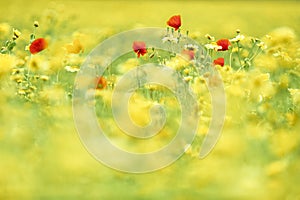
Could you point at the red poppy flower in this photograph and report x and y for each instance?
(139, 48)
(101, 83)
(38, 45)
(175, 22)
(224, 43)
(189, 54)
(219, 61)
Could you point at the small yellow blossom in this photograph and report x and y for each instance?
(284, 81)
(75, 47)
(44, 77)
(38, 63)
(177, 63)
(260, 79)
(17, 78)
(235, 49)
(186, 71)
(291, 118)
(295, 93)
(21, 92)
(283, 35)
(36, 24)
(209, 37)
(17, 33)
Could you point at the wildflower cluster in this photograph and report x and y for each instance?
(39, 60)
(239, 51)
(262, 72)
(37, 65)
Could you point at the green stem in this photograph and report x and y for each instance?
(238, 53)
(258, 51)
(230, 58)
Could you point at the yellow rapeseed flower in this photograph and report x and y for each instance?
(39, 63)
(282, 35)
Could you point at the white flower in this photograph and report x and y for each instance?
(262, 45)
(170, 38)
(72, 68)
(187, 78)
(191, 47)
(237, 38)
(213, 46)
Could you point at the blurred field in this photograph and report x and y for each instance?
(41, 156)
(220, 18)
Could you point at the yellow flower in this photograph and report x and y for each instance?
(260, 79)
(291, 118)
(235, 49)
(186, 71)
(17, 33)
(139, 108)
(17, 77)
(295, 93)
(282, 35)
(74, 47)
(209, 37)
(266, 62)
(44, 77)
(261, 86)
(7, 62)
(38, 63)
(36, 24)
(284, 81)
(235, 90)
(275, 167)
